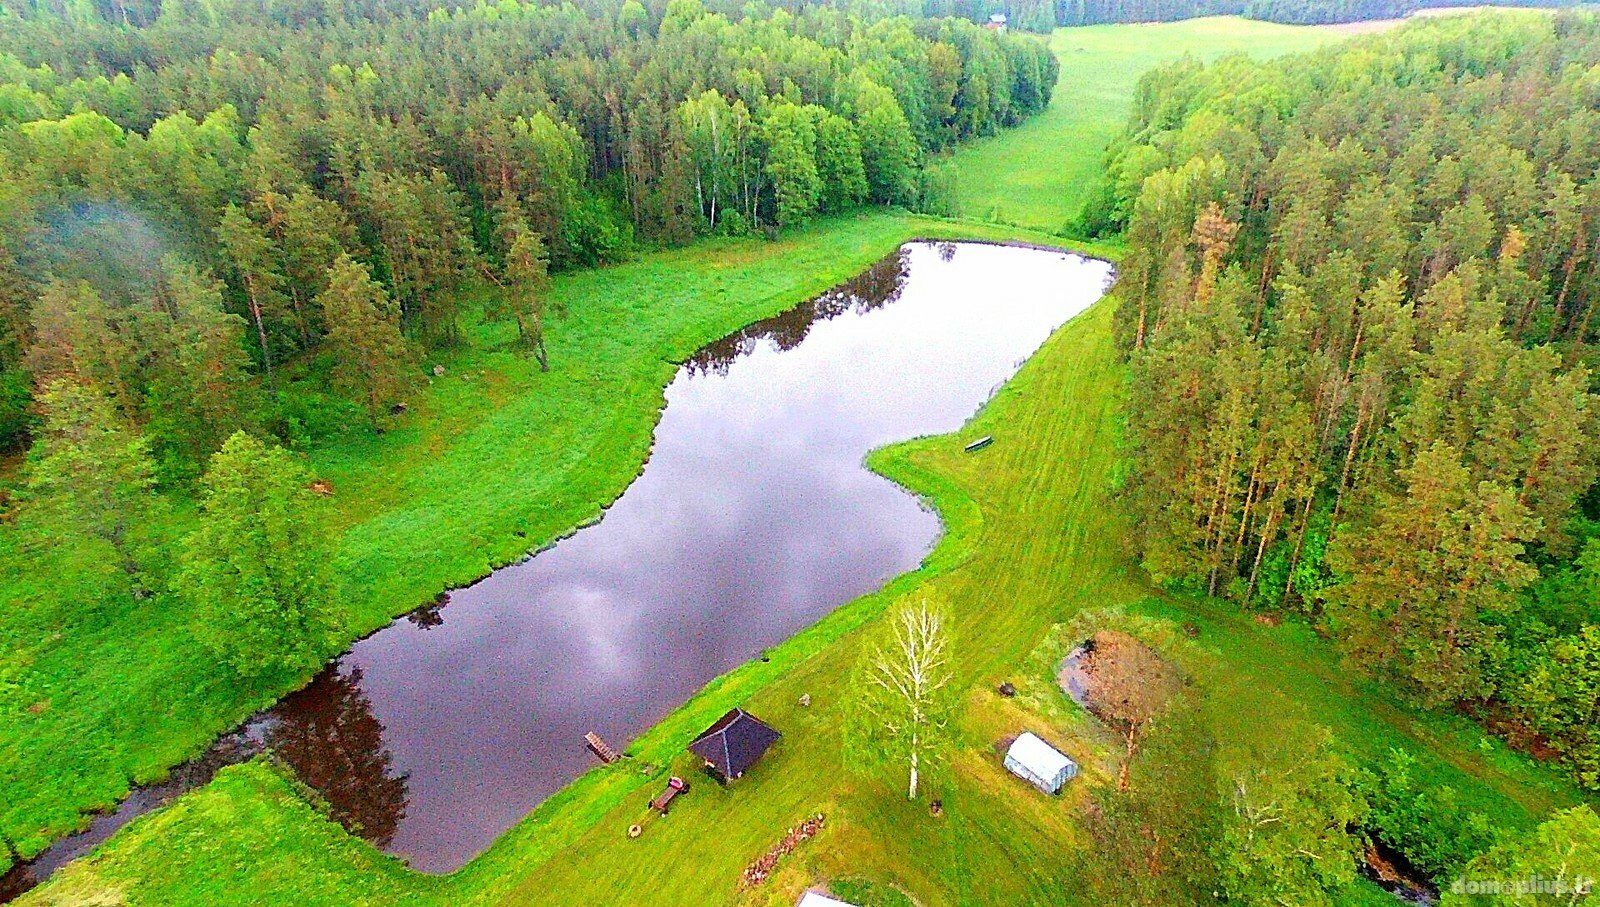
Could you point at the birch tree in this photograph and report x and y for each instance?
(1554, 864)
(905, 695)
(1286, 838)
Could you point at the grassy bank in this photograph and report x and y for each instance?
(495, 458)
(1034, 539)
(1039, 174)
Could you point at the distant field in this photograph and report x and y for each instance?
(1039, 174)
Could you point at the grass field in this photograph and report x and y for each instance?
(1034, 538)
(109, 689)
(1039, 174)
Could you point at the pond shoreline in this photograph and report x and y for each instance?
(103, 824)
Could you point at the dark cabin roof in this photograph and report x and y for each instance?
(734, 743)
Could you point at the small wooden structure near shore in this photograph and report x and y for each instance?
(601, 748)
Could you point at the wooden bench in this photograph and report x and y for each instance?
(663, 800)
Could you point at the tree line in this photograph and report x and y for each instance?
(1041, 16)
(1358, 306)
(242, 163)
(1283, 817)
(1288, 12)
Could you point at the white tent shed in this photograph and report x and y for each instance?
(812, 899)
(1039, 763)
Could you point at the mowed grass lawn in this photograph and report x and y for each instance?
(1039, 174)
(1034, 538)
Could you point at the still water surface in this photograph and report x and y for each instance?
(753, 518)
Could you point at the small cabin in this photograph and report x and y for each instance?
(733, 744)
(1040, 764)
(997, 22)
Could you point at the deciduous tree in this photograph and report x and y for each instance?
(90, 471)
(255, 571)
(905, 694)
(1289, 837)
(1556, 863)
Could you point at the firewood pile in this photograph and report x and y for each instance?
(757, 872)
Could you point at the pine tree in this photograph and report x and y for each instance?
(202, 385)
(371, 358)
(257, 273)
(311, 233)
(527, 273)
(1422, 577)
(77, 335)
(428, 249)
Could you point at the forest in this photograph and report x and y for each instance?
(256, 216)
(1358, 307)
(1043, 15)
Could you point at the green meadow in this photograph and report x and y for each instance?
(1034, 541)
(1039, 174)
(433, 504)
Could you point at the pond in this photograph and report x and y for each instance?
(753, 518)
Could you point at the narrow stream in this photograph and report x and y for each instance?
(753, 518)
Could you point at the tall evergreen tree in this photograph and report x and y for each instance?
(527, 285)
(202, 388)
(372, 360)
(256, 270)
(1435, 562)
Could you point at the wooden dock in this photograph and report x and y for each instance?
(601, 748)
